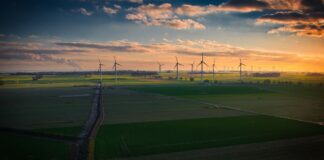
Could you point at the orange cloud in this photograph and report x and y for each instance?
(162, 15)
(85, 54)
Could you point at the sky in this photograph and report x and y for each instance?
(71, 35)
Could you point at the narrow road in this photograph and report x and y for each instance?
(84, 148)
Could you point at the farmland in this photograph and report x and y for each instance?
(15, 146)
(299, 102)
(146, 115)
(136, 139)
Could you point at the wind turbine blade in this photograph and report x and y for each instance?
(205, 63)
(118, 64)
(177, 59)
(180, 64)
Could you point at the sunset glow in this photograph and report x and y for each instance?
(71, 35)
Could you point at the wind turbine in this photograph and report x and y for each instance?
(115, 67)
(177, 66)
(214, 71)
(192, 68)
(160, 66)
(202, 63)
(240, 65)
(100, 71)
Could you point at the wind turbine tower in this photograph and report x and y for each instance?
(115, 67)
(240, 65)
(192, 67)
(100, 71)
(177, 67)
(202, 63)
(160, 66)
(214, 71)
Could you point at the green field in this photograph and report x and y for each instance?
(136, 139)
(144, 115)
(186, 90)
(44, 107)
(14, 146)
(125, 106)
(299, 102)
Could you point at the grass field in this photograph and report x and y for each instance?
(147, 116)
(136, 139)
(300, 102)
(233, 77)
(125, 106)
(44, 107)
(14, 146)
(49, 81)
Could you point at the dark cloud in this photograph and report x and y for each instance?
(39, 51)
(38, 57)
(313, 5)
(94, 46)
(246, 3)
(28, 51)
(286, 17)
(308, 20)
(117, 46)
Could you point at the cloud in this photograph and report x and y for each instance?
(38, 57)
(312, 30)
(161, 15)
(242, 6)
(191, 10)
(289, 13)
(284, 4)
(114, 46)
(301, 23)
(27, 51)
(83, 11)
(136, 1)
(230, 6)
(301, 17)
(184, 24)
(187, 48)
(73, 53)
(289, 17)
(166, 15)
(110, 10)
(117, 6)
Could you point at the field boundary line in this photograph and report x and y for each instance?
(42, 135)
(235, 108)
